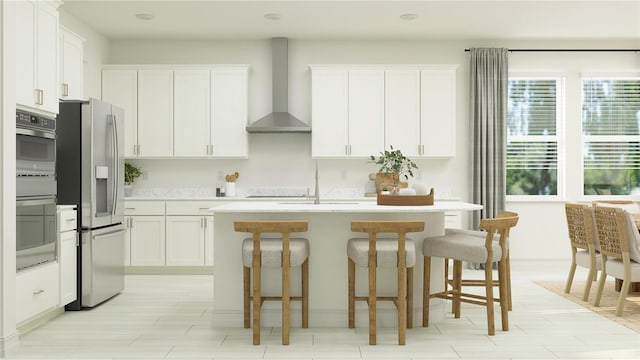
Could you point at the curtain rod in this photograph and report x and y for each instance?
(569, 50)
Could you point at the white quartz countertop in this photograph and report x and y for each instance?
(342, 206)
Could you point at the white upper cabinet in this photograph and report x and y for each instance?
(37, 54)
(360, 110)
(438, 113)
(366, 112)
(181, 111)
(229, 97)
(155, 113)
(70, 65)
(191, 105)
(120, 88)
(330, 113)
(402, 111)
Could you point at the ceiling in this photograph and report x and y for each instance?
(302, 19)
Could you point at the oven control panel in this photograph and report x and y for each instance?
(30, 120)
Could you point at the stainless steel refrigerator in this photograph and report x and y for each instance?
(90, 174)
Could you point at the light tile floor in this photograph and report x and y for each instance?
(168, 317)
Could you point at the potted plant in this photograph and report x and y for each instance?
(131, 172)
(392, 163)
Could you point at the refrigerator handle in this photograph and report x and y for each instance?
(115, 164)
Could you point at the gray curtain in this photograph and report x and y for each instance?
(489, 84)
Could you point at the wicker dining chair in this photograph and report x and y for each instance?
(619, 241)
(582, 235)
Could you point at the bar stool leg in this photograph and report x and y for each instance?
(372, 300)
(488, 279)
(504, 297)
(410, 298)
(508, 280)
(256, 302)
(285, 303)
(457, 285)
(426, 284)
(402, 305)
(246, 280)
(305, 294)
(352, 293)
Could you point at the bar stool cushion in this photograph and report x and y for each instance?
(387, 249)
(271, 251)
(460, 246)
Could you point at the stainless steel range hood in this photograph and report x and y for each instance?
(279, 121)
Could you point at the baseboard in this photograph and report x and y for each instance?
(168, 270)
(386, 317)
(39, 320)
(9, 345)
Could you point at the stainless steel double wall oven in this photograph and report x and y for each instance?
(35, 189)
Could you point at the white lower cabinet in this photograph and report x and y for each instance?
(189, 233)
(185, 240)
(67, 254)
(36, 291)
(147, 236)
(171, 233)
(145, 233)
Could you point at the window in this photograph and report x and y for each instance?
(610, 142)
(533, 119)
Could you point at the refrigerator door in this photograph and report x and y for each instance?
(101, 171)
(118, 118)
(102, 264)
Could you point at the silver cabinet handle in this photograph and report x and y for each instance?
(65, 89)
(205, 222)
(349, 149)
(201, 222)
(38, 292)
(41, 97)
(346, 150)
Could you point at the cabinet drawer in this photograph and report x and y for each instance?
(67, 220)
(191, 207)
(36, 291)
(144, 207)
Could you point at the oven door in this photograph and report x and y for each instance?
(35, 232)
(35, 152)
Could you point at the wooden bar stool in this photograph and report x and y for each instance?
(284, 252)
(397, 253)
(470, 247)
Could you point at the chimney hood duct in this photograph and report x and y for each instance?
(279, 121)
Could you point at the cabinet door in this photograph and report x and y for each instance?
(71, 68)
(438, 113)
(68, 272)
(120, 88)
(366, 112)
(208, 240)
(229, 113)
(147, 240)
(47, 56)
(402, 111)
(185, 240)
(155, 113)
(25, 52)
(191, 113)
(329, 113)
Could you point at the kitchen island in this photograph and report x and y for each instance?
(329, 230)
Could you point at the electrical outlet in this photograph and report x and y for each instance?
(343, 174)
(145, 175)
(418, 175)
(220, 175)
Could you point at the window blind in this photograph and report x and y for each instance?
(611, 107)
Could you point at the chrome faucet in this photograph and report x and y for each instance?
(317, 195)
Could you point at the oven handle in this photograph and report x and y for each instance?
(38, 133)
(36, 201)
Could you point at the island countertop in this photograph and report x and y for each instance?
(338, 207)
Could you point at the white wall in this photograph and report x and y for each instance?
(95, 53)
(285, 159)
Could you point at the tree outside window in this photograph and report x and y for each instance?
(610, 129)
(532, 136)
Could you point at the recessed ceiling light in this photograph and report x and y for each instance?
(273, 17)
(408, 17)
(143, 16)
